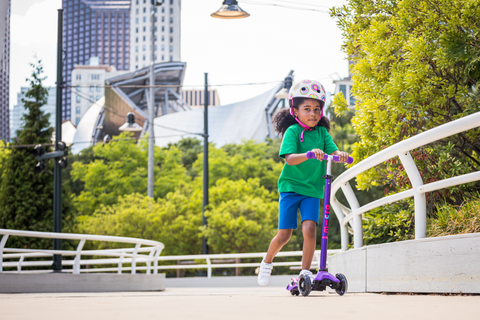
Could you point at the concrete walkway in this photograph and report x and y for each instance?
(234, 303)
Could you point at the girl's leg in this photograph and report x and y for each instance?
(277, 243)
(309, 229)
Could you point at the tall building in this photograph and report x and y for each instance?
(88, 83)
(4, 69)
(96, 28)
(19, 109)
(167, 33)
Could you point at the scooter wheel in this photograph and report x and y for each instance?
(294, 292)
(343, 284)
(304, 285)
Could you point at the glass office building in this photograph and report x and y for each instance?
(94, 28)
(4, 70)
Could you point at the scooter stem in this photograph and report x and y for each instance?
(326, 214)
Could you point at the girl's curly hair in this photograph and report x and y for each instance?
(284, 119)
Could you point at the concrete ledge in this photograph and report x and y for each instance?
(63, 282)
(352, 264)
(433, 265)
(232, 282)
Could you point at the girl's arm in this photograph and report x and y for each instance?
(295, 158)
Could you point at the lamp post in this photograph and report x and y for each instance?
(205, 162)
(57, 169)
(151, 103)
(230, 10)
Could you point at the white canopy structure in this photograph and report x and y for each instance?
(89, 126)
(245, 120)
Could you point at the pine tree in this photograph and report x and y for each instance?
(26, 197)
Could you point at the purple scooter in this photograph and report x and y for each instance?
(304, 285)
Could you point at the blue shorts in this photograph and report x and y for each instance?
(290, 202)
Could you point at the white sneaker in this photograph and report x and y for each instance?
(307, 272)
(264, 274)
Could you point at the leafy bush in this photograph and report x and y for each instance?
(389, 224)
(452, 220)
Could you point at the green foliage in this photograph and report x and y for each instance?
(242, 212)
(244, 161)
(416, 67)
(174, 221)
(119, 168)
(189, 148)
(4, 154)
(242, 217)
(26, 198)
(452, 220)
(388, 224)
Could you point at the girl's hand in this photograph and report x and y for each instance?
(319, 154)
(343, 156)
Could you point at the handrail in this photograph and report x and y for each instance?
(418, 190)
(153, 248)
(140, 258)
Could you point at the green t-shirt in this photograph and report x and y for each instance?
(305, 178)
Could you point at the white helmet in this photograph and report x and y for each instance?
(307, 89)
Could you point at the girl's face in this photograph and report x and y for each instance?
(308, 112)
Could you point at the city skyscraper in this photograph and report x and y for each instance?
(167, 33)
(4, 70)
(94, 28)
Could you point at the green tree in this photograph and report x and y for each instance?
(242, 217)
(189, 148)
(416, 67)
(119, 168)
(175, 221)
(26, 197)
(244, 161)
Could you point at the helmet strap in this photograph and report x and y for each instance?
(304, 126)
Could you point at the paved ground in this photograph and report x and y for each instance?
(234, 303)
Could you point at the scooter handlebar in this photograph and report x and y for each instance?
(311, 155)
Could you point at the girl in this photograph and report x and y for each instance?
(301, 182)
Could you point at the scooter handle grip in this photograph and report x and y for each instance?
(311, 155)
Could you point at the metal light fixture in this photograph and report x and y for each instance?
(130, 125)
(230, 10)
(283, 93)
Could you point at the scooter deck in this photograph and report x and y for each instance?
(321, 280)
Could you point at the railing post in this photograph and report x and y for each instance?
(3, 242)
(120, 264)
(419, 198)
(150, 255)
(78, 255)
(238, 272)
(134, 258)
(155, 262)
(19, 266)
(209, 268)
(357, 218)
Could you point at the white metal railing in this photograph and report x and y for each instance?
(132, 256)
(402, 149)
(118, 257)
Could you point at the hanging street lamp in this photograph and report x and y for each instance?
(230, 10)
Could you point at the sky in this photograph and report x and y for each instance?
(261, 48)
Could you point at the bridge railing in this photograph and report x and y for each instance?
(132, 256)
(353, 215)
(139, 258)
